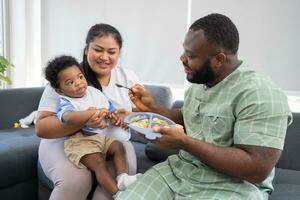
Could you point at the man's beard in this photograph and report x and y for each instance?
(203, 75)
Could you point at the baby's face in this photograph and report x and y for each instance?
(72, 82)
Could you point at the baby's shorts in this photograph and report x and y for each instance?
(80, 144)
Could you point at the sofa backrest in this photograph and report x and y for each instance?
(17, 103)
(290, 158)
(20, 102)
(162, 94)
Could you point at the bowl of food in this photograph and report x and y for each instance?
(143, 122)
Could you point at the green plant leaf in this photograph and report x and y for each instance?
(4, 65)
(5, 79)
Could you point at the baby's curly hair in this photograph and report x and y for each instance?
(219, 30)
(56, 65)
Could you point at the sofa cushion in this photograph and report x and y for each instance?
(287, 176)
(143, 163)
(286, 185)
(290, 158)
(285, 192)
(18, 155)
(18, 103)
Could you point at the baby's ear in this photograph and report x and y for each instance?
(59, 91)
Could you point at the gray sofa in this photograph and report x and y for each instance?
(22, 178)
(18, 147)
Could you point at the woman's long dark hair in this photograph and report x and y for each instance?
(98, 30)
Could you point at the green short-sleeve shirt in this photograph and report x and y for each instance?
(244, 108)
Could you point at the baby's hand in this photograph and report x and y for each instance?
(117, 117)
(98, 119)
(103, 112)
(104, 115)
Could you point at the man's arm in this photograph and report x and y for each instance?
(250, 163)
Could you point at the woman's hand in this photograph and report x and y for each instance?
(97, 120)
(171, 137)
(141, 98)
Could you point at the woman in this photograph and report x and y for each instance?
(100, 58)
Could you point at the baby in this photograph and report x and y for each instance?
(90, 146)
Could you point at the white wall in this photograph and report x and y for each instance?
(154, 30)
(269, 34)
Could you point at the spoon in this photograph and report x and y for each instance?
(122, 86)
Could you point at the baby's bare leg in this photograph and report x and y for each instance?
(117, 152)
(97, 164)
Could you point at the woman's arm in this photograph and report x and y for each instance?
(49, 126)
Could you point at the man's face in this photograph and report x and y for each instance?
(196, 59)
(202, 74)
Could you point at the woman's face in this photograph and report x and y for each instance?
(103, 54)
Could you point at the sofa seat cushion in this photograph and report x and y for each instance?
(285, 192)
(18, 155)
(287, 176)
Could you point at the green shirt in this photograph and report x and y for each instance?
(244, 108)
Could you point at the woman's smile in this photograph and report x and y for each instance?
(103, 64)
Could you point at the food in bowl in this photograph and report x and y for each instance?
(143, 122)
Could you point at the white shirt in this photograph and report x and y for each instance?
(92, 98)
(119, 96)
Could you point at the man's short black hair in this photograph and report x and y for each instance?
(56, 65)
(219, 30)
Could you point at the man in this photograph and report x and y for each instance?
(234, 121)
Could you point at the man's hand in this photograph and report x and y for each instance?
(141, 98)
(172, 137)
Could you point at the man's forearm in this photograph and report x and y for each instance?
(233, 161)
